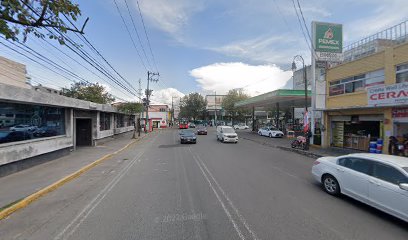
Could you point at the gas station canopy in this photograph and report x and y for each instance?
(286, 98)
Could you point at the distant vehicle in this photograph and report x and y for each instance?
(270, 132)
(378, 180)
(23, 127)
(226, 134)
(191, 125)
(183, 124)
(45, 131)
(240, 127)
(13, 136)
(202, 131)
(187, 136)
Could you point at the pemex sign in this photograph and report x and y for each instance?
(328, 41)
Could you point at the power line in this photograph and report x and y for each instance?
(147, 37)
(36, 61)
(87, 57)
(130, 35)
(137, 33)
(301, 26)
(304, 22)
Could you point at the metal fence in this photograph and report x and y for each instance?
(389, 37)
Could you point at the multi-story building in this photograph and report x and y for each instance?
(13, 73)
(158, 116)
(367, 98)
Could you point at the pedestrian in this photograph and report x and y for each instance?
(393, 145)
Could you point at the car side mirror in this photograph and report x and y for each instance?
(404, 186)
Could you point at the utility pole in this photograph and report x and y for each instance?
(150, 78)
(141, 112)
(172, 109)
(215, 108)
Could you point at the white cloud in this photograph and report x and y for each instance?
(170, 16)
(271, 49)
(222, 77)
(163, 96)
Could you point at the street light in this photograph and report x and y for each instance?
(300, 58)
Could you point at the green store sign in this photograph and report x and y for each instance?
(328, 37)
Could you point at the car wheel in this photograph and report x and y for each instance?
(259, 133)
(331, 185)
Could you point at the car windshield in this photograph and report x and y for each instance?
(406, 169)
(228, 130)
(188, 134)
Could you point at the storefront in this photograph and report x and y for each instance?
(400, 122)
(356, 131)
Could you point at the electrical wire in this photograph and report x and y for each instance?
(147, 37)
(130, 35)
(137, 33)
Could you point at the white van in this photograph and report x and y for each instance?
(226, 134)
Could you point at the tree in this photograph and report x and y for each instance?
(93, 92)
(192, 106)
(228, 103)
(29, 16)
(131, 108)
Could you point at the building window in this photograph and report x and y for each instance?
(20, 122)
(402, 73)
(357, 83)
(104, 121)
(120, 120)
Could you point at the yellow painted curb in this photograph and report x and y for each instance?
(26, 201)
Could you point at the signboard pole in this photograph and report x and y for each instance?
(313, 104)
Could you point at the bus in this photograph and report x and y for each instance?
(183, 124)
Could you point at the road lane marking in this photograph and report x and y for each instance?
(241, 236)
(78, 220)
(231, 204)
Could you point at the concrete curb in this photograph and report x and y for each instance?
(289, 149)
(33, 197)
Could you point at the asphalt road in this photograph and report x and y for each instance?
(160, 189)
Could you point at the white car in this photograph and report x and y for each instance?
(226, 134)
(378, 180)
(23, 128)
(240, 127)
(270, 132)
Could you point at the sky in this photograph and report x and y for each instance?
(206, 46)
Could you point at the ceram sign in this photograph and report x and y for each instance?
(328, 37)
(391, 95)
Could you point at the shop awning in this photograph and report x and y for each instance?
(285, 97)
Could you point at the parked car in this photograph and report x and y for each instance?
(226, 134)
(191, 125)
(378, 180)
(240, 127)
(202, 130)
(22, 128)
(45, 131)
(188, 137)
(270, 132)
(13, 136)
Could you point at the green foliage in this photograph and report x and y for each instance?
(22, 17)
(130, 107)
(192, 106)
(234, 96)
(93, 92)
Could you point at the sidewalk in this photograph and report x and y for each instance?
(21, 184)
(284, 144)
